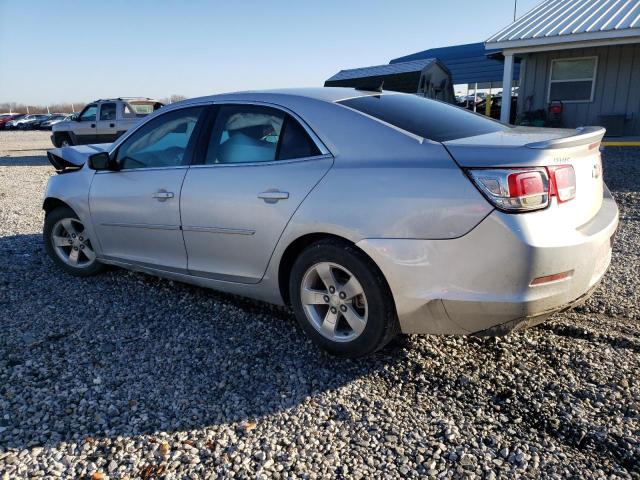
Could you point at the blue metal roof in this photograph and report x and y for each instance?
(379, 70)
(467, 63)
(570, 20)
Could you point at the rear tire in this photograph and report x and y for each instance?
(341, 299)
(68, 244)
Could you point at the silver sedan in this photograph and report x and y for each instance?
(370, 213)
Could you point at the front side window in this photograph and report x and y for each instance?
(426, 118)
(572, 79)
(108, 111)
(89, 114)
(250, 134)
(162, 142)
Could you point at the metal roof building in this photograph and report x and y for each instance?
(382, 70)
(469, 64)
(427, 77)
(583, 53)
(565, 21)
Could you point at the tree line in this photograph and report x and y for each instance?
(65, 107)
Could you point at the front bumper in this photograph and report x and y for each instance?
(480, 283)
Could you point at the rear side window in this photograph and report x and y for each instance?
(295, 142)
(108, 111)
(429, 119)
(252, 133)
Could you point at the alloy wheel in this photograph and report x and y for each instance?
(72, 244)
(334, 302)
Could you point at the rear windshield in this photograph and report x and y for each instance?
(429, 119)
(142, 107)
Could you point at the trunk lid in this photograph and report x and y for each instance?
(543, 147)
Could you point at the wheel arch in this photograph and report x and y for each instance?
(51, 203)
(299, 244)
(58, 135)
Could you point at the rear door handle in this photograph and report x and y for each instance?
(112, 125)
(163, 195)
(273, 196)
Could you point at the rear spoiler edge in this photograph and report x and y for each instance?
(583, 136)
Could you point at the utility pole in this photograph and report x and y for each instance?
(515, 9)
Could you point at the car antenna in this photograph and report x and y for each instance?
(371, 88)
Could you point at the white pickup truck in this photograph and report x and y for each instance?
(103, 121)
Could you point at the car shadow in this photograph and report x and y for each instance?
(126, 354)
(25, 161)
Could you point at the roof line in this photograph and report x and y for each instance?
(589, 17)
(577, 18)
(627, 15)
(559, 21)
(552, 19)
(602, 16)
(528, 14)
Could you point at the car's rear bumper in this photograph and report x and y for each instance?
(481, 282)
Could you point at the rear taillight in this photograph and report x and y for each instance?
(525, 189)
(517, 190)
(563, 182)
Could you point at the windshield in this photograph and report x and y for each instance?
(430, 119)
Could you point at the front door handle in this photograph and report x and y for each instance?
(112, 125)
(273, 196)
(162, 195)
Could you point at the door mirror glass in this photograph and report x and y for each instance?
(100, 161)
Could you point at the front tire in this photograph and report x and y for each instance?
(68, 244)
(341, 299)
(62, 140)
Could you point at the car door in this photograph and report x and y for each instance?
(106, 125)
(84, 129)
(135, 209)
(259, 164)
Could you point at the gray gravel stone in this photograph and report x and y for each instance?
(128, 376)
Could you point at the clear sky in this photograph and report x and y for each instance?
(63, 50)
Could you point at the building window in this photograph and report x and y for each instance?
(572, 79)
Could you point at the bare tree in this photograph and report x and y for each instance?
(64, 107)
(173, 99)
(15, 107)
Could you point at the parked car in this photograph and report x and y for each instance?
(34, 123)
(17, 122)
(26, 122)
(370, 213)
(103, 121)
(496, 106)
(6, 118)
(54, 119)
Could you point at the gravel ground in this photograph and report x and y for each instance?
(128, 376)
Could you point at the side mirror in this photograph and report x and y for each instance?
(100, 161)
